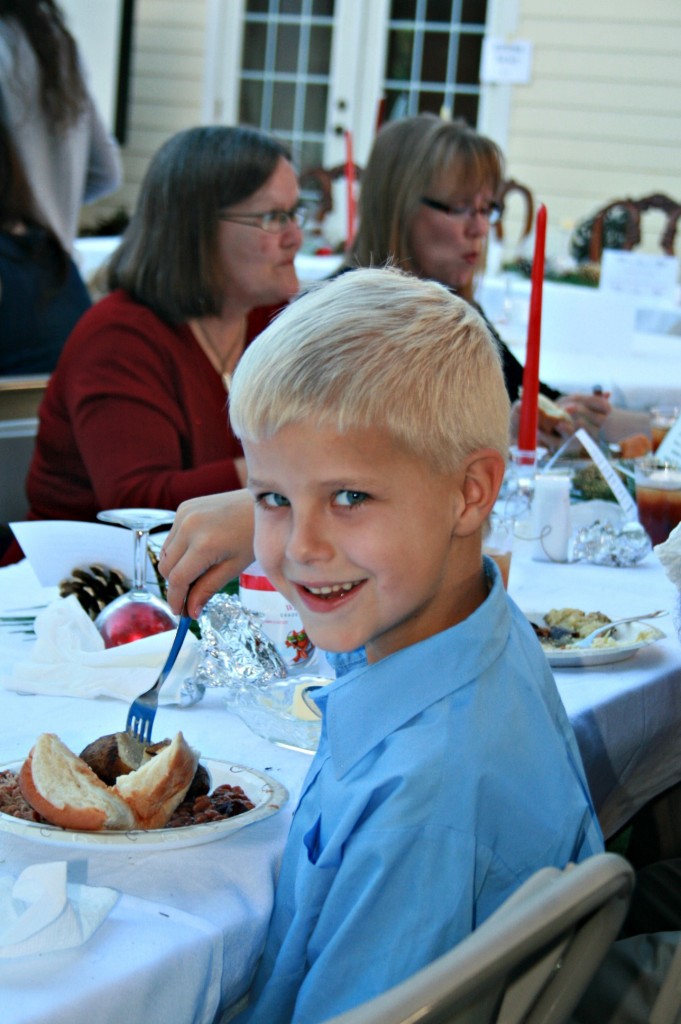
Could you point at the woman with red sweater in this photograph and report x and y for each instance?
(135, 413)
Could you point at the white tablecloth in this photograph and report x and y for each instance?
(628, 344)
(92, 253)
(185, 937)
(626, 715)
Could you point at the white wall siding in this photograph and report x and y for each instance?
(601, 119)
(166, 89)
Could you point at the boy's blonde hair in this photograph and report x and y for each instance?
(378, 348)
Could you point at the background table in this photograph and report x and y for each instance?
(92, 253)
(628, 344)
(626, 715)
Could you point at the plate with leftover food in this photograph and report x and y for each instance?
(238, 797)
(559, 629)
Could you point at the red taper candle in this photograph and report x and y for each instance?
(527, 429)
(350, 182)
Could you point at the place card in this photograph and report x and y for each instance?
(639, 273)
(669, 448)
(624, 499)
(55, 547)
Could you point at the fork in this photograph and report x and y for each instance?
(586, 642)
(143, 709)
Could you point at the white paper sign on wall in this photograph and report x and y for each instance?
(506, 63)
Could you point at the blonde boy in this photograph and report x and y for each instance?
(374, 419)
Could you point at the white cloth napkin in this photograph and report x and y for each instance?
(69, 659)
(40, 912)
(669, 554)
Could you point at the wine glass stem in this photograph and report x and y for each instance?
(140, 560)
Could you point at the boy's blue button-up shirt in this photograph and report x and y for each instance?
(446, 774)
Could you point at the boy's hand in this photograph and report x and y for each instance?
(210, 543)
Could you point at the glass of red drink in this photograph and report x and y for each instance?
(658, 497)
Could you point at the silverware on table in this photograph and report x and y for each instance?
(142, 711)
(588, 640)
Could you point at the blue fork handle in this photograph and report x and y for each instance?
(185, 621)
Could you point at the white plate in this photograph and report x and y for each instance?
(591, 657)
(268, 795)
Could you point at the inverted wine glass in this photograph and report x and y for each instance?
(138, 613)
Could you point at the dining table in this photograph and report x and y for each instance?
(629, 344)
(183, 939)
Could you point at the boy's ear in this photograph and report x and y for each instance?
(483, 474)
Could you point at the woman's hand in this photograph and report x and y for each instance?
(210, 543)
(558, 421)
(588, 411)
(552, 431)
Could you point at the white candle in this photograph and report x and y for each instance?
(551, 527)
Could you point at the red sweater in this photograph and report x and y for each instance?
(134, 416)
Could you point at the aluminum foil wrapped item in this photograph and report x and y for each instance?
(605, 543)
(235, 652)
(237, 656)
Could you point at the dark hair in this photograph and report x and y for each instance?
(167, 258)
(62, 90)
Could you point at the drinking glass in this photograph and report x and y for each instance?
(658, 494)
(498, 543)
(138, 613)
(662, 418)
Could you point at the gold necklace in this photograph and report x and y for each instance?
(222, 361)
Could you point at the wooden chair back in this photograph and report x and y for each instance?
(317, 185)
(632, 232)
(508, 187)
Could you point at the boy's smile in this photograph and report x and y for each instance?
(363, 537)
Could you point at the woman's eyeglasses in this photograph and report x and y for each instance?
(274, 222)
(490, 211)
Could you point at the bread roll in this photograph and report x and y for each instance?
(551, 410)
(159, 786)
(66, 792)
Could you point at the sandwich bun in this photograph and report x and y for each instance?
(160, 785)
(551, 410)
(66, 792)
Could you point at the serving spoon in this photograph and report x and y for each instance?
(588, 640)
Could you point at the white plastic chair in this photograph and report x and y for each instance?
(529, 962)
(667, 1006)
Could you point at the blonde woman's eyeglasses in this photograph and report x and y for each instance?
(490, 211)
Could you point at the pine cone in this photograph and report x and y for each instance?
(95, 586)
